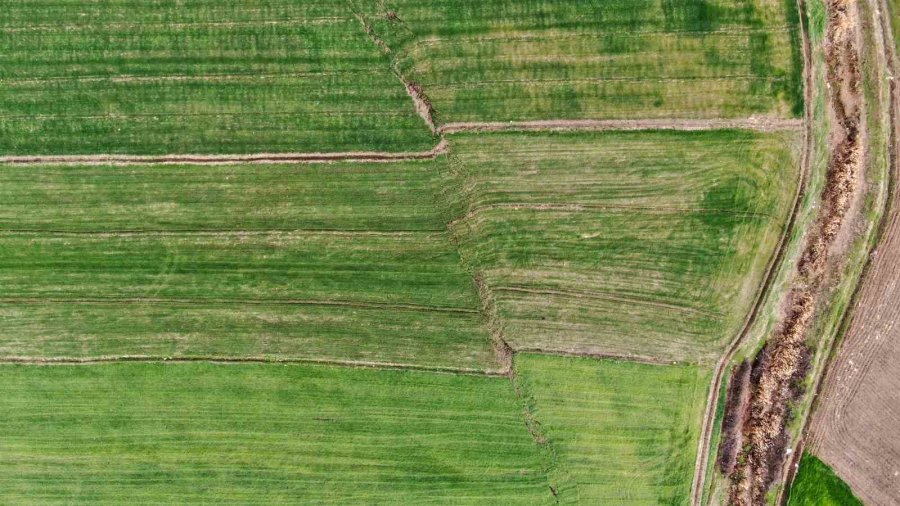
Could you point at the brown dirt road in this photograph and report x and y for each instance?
(856, 425)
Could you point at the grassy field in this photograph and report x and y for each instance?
(646, 243)
(817, 485)
(622, 432)
(262, 434)
(534, 59)
(337, 261)
(166, 76)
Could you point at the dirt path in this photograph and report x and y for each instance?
(704, 450)
(187, 159)
(762, 124)
(854, 426)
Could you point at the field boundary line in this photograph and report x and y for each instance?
(198, 159)
(214, 301)
(109, 359)
(220, 232)
(698, 484)
(753, 123)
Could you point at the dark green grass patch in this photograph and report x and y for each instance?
(817, 485)
(499, 60)
(197, 77)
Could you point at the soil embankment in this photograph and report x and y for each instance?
(778, 371)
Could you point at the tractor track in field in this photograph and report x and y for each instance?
(192, 159)
(593, 295)
(212, 359)
(219, 301)
(223, 232)
(703, 451)
(761, 124)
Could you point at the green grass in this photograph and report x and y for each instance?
(817, 485)
(341, 261)
(262, 434)
(647, 243)
(165, 76)
(623, 432)
(536, 59)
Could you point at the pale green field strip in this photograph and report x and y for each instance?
(504, 60)
(647, 243)
(339, 196)
(344, 261)
(207, 76)
(622, 432)
(262, 434)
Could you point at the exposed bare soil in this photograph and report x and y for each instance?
(763, 124)
(783, 363)
(856, 425)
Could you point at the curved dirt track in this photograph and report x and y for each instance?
(856, 425)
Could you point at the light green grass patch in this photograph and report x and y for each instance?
(166, 76)
(643, 243)
(339, 261)
(817, 485)
(498, 60)
(252, 434)
(622, 432)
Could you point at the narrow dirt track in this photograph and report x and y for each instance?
(188, 159)
(856, 425)
(704, 450)
(761, 124)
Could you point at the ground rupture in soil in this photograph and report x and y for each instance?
(778, 372)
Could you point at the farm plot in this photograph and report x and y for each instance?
(642, 243)
(620, 432)
(262, 434)
(206, 76)
(342, 261)
(503, 60)
(817, 485)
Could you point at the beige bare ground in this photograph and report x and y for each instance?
(188, 159)
(856, 426)
(763, 124)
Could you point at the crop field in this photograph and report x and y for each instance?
(817, 485)
(500, 60)
(632, 243)
(339, 261)
(166, 76)
(262, 434)
(621, 432)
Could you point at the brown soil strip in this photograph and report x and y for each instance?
(704, 450)
(106, 359)
(757, 123)
(187, 159)
(736, 405)
(784, 361)
(214, 301)
(220, 232)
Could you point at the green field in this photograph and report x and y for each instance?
(262, 434)
(622, 432)
(343, 261)
(640, 243)
(498, 60)
(206, 76)
(817, 485)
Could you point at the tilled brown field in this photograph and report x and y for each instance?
(856, 426)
